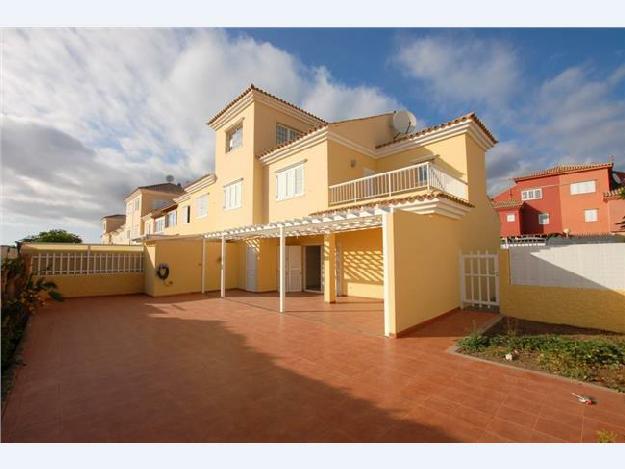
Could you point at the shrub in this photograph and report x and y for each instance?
(22, 293)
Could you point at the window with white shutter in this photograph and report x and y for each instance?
(232, 195)
(290, 182)
(201, 206)
(585, 187)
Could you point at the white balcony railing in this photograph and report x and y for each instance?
(419, 176)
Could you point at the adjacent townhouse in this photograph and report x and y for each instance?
(572, 199)
(352, 208)
(140, 202)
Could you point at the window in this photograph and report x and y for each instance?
(201, 209)
(148, 227)
(543, 218)
(136, 201)
(234, 137)
(591, 214)
(532, 194)
(290, 182)
(232, 195)
(171, 218)
(159, 225)
(285, 134)
(187, 214)
(510, 217)
(128, 234)
(585, 187)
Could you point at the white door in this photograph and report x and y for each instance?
(293, 268)
(250, 268)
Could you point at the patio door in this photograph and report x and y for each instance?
(250, 268)
(293, 268)
(313, 269)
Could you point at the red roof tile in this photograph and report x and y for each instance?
(254, 88)
(508, 203)
(471, 116)
(563, 169)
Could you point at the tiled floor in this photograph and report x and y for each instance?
(192, 368)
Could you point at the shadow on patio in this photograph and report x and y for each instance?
(129, 369)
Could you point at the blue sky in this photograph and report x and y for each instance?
(90, 114)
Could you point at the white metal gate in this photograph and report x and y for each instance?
(479, 279)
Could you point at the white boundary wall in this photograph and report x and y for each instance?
(600, 266)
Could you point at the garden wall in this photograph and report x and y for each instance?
(81, 270)
(576, 285)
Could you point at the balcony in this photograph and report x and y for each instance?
(411, 178)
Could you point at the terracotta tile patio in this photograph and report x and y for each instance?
(193, 368)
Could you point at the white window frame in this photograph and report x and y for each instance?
(532, 194)
(541, 221)
(201, 206)
(510, 217)
(287, 182)
(233, 195)
(230, 133)
(583, 187)
(595, 217)
(148, 227)
(159, 223)
(136, 203)
(168, 219)
(291, 134)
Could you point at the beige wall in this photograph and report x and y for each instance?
(184, 258)
(361, 260)
(582, 307)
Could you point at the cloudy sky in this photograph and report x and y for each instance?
(90, 114)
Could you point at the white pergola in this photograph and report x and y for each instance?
(314, 225)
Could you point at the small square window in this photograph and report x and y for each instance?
(510, 217)
(590, 215)
(202, 206)
(234, 137)
(285, 134)
(543, 218)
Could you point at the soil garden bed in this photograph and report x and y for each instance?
(588, 355)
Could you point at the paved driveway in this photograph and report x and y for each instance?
(193, 368)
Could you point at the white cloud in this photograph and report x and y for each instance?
(89, 114)
(461, 70)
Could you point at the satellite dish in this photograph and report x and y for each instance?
(169, 178)
(404, 122)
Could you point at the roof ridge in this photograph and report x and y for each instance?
(469, 116)
(253, 87)
(563, 168)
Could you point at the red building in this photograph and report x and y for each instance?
(573, 199)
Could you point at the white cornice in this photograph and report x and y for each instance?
(468, 127)
(232, 111)
(325, 133)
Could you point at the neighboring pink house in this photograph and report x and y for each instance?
(574, 199)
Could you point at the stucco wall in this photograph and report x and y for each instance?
(583, 307)
(184, 259)
(362, 264)
(75, 286)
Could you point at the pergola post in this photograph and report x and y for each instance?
(203, 263)
(282, 268)
(223, 266)
(388, 258)
(329, 266)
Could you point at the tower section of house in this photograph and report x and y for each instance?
(572, 199)
(111, 224)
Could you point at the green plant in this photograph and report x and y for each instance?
(22, 293)
(606, 436)
(53, 236)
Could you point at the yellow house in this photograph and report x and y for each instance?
(142, 201)
(361, 207)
